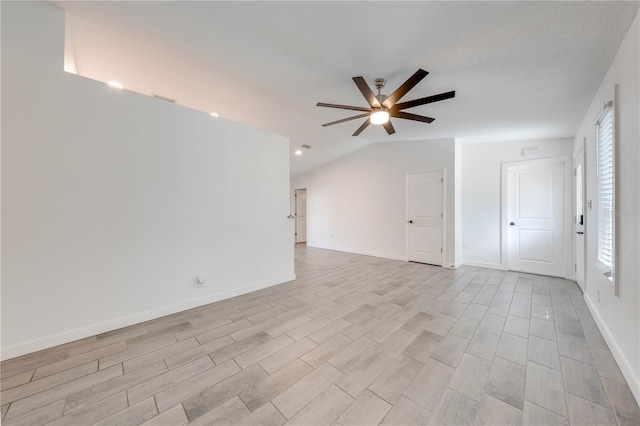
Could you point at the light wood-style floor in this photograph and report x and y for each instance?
(354, 340)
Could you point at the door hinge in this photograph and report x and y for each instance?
(441, 215)
(441, 180)
(440, 249)
(575, 267)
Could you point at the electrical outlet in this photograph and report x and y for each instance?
(200, 281)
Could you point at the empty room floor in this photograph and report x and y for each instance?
(354, 340)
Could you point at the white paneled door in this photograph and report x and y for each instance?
(535, 218)
(301, 215)
(424, 217)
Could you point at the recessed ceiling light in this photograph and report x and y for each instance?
(116, 85)
(214, 114)
(298, 152)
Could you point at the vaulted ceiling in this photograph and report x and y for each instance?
(521, 70)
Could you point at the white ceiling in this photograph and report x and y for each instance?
(521, 70)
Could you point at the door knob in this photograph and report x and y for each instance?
(409, 221)
(512, 224)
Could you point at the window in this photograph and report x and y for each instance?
(606, 190)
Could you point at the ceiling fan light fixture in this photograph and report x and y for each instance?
(379, 116)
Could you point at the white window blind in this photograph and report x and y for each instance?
(606, 189)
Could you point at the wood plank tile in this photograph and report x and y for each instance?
(329, 331)
(48, 382)
(136, 351)
(542, 328)
(307, 328)
(397, 342)
(606, 365)
(392, 382)
(172, 417)
(235, 349)
(368, 409)
(287, 326)
(429, 384)
(184, 357)
(38, 416)
(103, 390)
(56, 367)
(171, 378)
(222, 331)
(384, 329)
(231, 412)
(484, 345)
(305, 390)
(517, 326)
(326, 351)
(134, 415)
(210, 398)
(159, 354)
(17, 380)
(353, 354)
(92, 413)
(422, 346)
(59, 392)
(254, 329)
(285, 356)
(408, 413)
(361, 375)
(267, 415)
(272, 386)
(184, 390)
(266, 349)
(324, 409)
(441, 325)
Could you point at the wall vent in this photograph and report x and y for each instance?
(305, 146)
(164, 98)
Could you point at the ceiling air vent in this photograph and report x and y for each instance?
(164, 98)
(305, 146)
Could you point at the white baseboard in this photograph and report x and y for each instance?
(103, 327)
(363, 252)
(484, 265)
(625, 366)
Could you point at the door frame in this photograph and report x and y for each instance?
(295, 215)
(582, 151)
(567, 162)
(443, 210)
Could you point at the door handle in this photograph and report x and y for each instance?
(409, 221)
(579, 232)
(512, 224)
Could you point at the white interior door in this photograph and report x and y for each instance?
(424, 217)
(536, 218)
(301, 215)
(579, 218)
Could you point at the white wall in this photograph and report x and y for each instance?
(113, 202)
(481, 194)
(357, 203)
(618, 317)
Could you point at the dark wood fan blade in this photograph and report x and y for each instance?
(427, 100)
(353, 108)
(345, 119)
(366, 92)
(406, 86)
(414, 117)
(361, 128)
(389, 128)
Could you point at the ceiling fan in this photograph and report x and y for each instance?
(383, 107)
